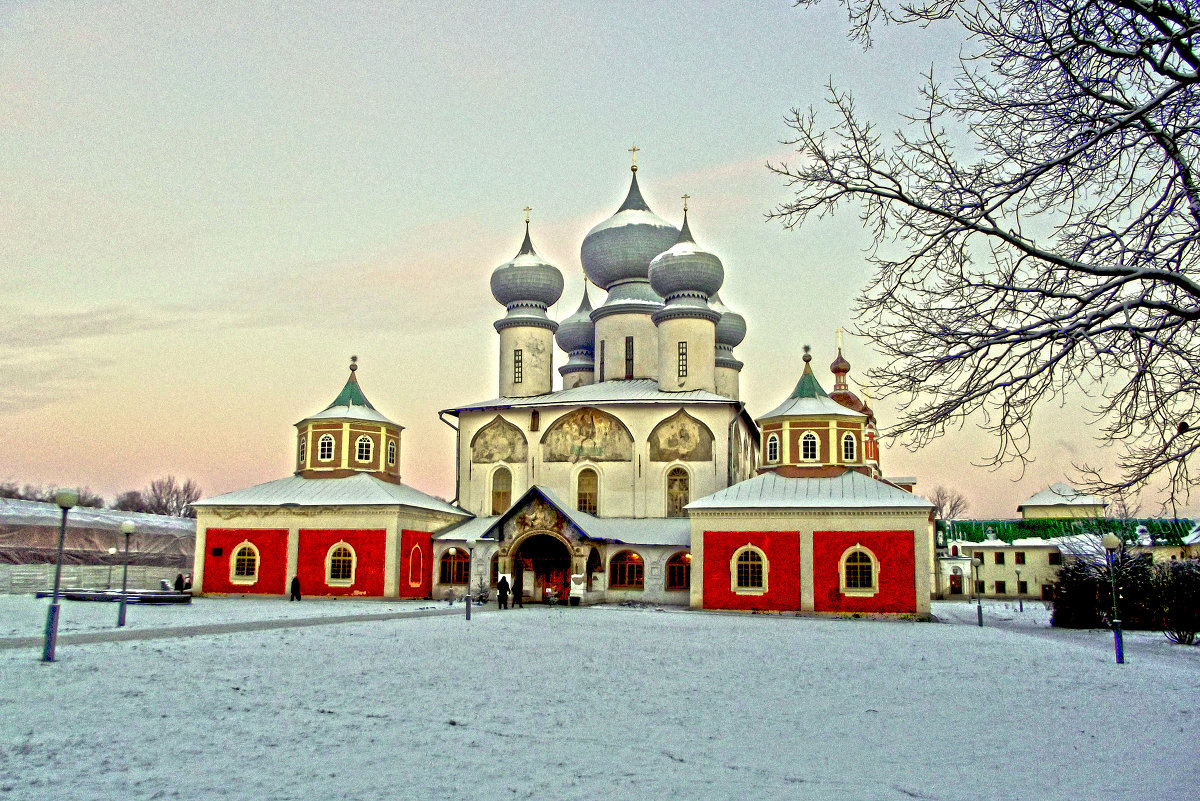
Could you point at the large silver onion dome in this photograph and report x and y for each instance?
(578, 332)
(621, 247)
(686, 269)
(527, 278)
(731, 328)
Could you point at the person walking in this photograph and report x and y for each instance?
(502, 592)
(179, 583)
(295, 588)
(518, 586)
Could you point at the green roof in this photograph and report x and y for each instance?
(351, 395)
(808, 386)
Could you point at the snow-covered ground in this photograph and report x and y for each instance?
(601, 702)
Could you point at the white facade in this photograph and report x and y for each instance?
(527, 354)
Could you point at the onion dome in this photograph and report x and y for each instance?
(685, 270)
(526, 285)
(621, 248)
(731, 328)
(578, 332)
(841, 390)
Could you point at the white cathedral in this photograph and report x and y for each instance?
(639, 480)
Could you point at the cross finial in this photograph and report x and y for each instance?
(353, 363)
(527, 210)
(685, 200)
(634, 150)
(806, 348)
(839, 337)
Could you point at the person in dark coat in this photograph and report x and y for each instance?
(518, 587)
(179, 583)
(295, 588)
(502, 592)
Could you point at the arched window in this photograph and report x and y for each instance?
(392, 453)
(339, 565)
(325, 447)
(625, 571)
(679, 572)
(455, 564)
(243, 566)
(808, 447)
(416, 566)
(750, 573)
(587, 491)
(535, 420)
(501, 490)
(362, 449)
(678, 492)
(849, 448)
(495, 568)
(859, 572)
(773, 449)
(303, 448)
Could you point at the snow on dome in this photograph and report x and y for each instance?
(527, 279)
(578, 332)
(686, 269)
(731, 328)
(621, 247)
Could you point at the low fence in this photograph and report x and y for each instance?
(19, 579)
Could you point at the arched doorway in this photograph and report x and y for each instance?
(545, 563)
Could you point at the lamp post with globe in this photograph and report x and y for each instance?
(65, 498)
(1112, 543)
(977, 563)
(126, 529)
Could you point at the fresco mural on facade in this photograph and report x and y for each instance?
(587, 434)
(681, 437)
(499, 441)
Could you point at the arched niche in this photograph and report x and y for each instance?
(683, 438)
(587, 435)
(499, 441)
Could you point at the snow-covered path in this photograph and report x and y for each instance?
(605, 702)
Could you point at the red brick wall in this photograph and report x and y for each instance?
(368, 548)
(896, 580)
(272, 560)
(782, 550)
(416, 578)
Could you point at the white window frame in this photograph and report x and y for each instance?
(329, 579)
(391, 451)
(244, 580)
(734, 587)
(326, 439)
(358, 448)
(806, 438)
(852, 441)
(303, 448)
(772, 441)
(859, 592)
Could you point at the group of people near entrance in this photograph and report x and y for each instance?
(518, 588)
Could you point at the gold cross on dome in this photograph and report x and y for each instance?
(839, 332)
(685, 200)
(634, 150)
(527, 210)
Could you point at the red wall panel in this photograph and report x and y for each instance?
(272, 565)
(368, 548)
(782, 549)
(897, 580)
(416, 564)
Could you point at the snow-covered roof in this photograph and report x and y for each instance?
(361, 489)
(675, 531)
(809, 398)
(851, 489)
(1061, 495)
(15, 512)
(628, 391)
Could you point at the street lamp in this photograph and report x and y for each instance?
(1112, 543)
(1020, 599)
(977, 563)
(471, 540)
(126, 529)
(65, 498)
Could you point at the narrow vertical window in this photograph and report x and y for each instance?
(629, 357)
(683, 360)
(678, 492)
(518, 366)
(501, 490)
(601, 360)
(772, 449)
(535, 420)
(587, 491)
(303, 447)
(849, 448)
(392, 453)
